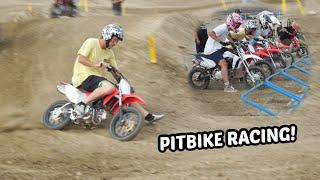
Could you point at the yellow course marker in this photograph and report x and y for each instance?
(300, 6)
(123, 10)
(81, 3)
(84, 4)
(152, 49)
(284, 6)
(29, 7)
(224, 5)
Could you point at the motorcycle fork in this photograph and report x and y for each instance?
(63, 107)
(120, 105)
(270, 54)
(246, 66)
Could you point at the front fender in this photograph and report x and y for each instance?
(284, 47)
(261, 54)
(252, 56)
(127, 100)
(275, 51)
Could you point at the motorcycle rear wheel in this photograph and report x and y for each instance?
(128, 127)
(58, 122)
(198, 78)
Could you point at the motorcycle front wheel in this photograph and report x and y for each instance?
(288, 58)
(266, 66)
(128, 127)
(279, 61)
(257, 74)
(53, 118)
(304, 50)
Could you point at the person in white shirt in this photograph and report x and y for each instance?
(215, 49)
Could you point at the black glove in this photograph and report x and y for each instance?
(224, 43)
(110, 68)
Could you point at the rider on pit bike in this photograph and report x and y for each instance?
(268, 24)
(214, 46)
(287, 34)
(89, 74)
(251, 31)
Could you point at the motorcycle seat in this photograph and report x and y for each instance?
(199, 55)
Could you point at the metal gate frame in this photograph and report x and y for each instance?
(297, 99)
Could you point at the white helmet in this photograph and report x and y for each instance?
(267, 19)
(274, 20)
(264, 20)
(112, 30)
(251, 24)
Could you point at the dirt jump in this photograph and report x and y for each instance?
(36, 52)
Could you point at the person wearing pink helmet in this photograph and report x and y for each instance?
(234, 21)
(214, 46)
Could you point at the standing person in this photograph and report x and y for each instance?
(215, 49)
(238, 11)
(89, 70)
(201, 37)
(116, 7)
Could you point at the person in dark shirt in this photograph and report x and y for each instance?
(63, 7)
(201, 36)
(116, 7)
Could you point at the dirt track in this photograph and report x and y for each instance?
(37, 53)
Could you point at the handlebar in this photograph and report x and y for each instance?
(116, 74)
(228, 44)
(259, 39)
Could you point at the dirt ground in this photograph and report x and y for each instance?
(36, 52)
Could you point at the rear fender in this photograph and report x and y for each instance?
(73, 94)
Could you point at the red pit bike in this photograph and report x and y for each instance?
(264, 61)
(125, 124)
(278, 58)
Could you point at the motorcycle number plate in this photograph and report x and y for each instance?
(125, 87)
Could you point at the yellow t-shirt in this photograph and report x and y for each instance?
(239, 35)
(92, 50)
